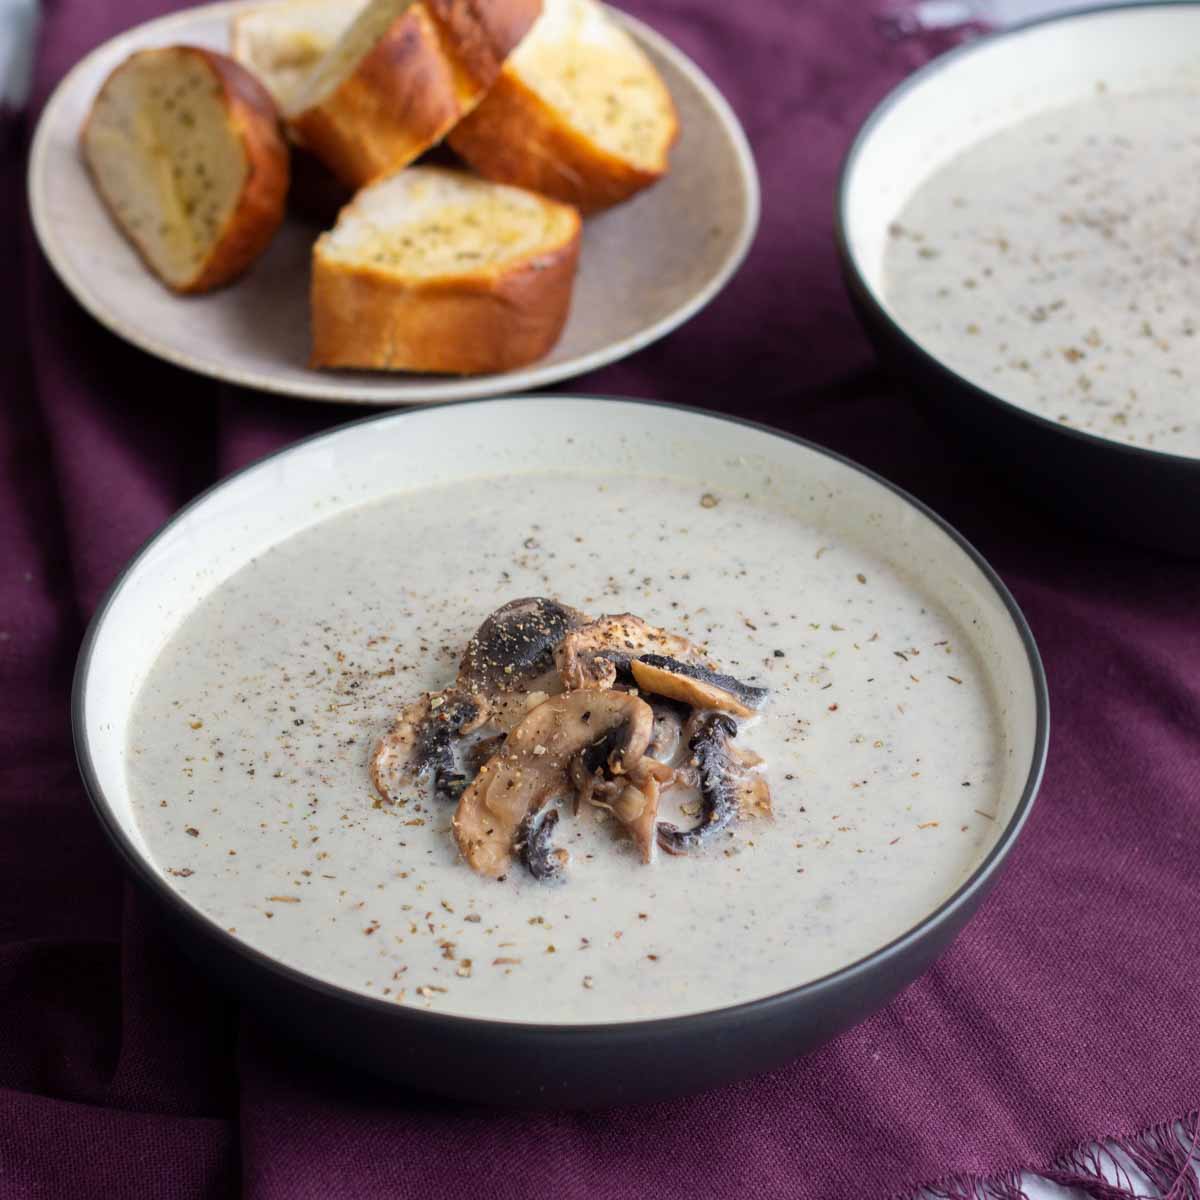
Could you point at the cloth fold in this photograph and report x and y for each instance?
(1068, 1009)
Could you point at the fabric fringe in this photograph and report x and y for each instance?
(1167, 1156)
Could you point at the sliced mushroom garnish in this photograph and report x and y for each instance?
(725, 784)
(535, 766)
(593, 655)
(541, 859)
(507, 670)
(691, 683)
(515, 645)
(421, 743)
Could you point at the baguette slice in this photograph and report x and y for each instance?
(281, 42)
(400, 77)
(186, 152)
(431, 269)
(578, 113)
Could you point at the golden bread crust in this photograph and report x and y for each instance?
(263, 202)
(494, 320)
(515, 137)
(431, 67)
(260, 209)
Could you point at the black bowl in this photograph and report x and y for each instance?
(1128, 492)
(505, 1062)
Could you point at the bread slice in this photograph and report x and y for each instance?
(281, 42)
(578, 113)
(186, 152)
(431, 269)
(401, 76)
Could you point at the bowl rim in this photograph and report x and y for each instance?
(870, 296)
(199, 923)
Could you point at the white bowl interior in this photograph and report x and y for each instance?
(972, 95)
(277, 498)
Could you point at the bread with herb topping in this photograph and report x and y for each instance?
(400, 77)
(578, 113)
(186, 151)
(434, 270)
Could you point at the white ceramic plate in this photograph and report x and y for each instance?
(647, 266)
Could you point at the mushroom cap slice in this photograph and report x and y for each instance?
(534, 766)
(591, 655)
(695, 685)
(515, 645)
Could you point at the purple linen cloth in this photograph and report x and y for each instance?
(1068, 1010)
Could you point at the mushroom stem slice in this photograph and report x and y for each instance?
(535, 766)
(720, 779)
(696, 685)
(641, 819)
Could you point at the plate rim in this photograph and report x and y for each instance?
(198, 923)
(380, 390)
(872, 297)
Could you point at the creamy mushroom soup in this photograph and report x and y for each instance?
(1056, 265)
(251, 742)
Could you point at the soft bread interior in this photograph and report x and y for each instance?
(166, 159)
(426, 222)
(282, 42)
(578, 60)
(342, 60)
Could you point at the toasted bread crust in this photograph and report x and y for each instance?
(468, 325)
(481, 34)
(429, 69)
(515, 137)
(260, 209)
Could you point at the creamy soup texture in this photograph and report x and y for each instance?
(249, 746)
(1057, 264)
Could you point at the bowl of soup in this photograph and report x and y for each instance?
(1016, 228)
(306, 708)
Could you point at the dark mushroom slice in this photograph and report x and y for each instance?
(535, 766)
(516, 645)
(422, 743)
(436, 746)
(594, 655)
(750, 784)
(696, 685)
(723, 777)
(539, 857)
